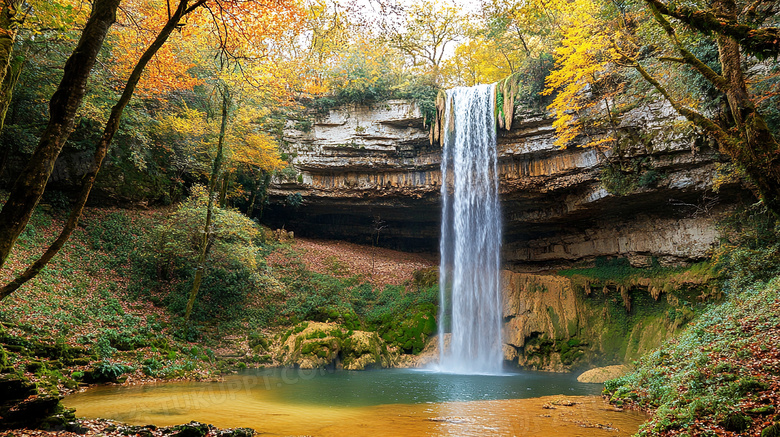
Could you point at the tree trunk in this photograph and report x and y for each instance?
(112, 125)
(755, 148)
(223, 191)
(264, 193)
(7, 89)
(28, 188)
(253, 198)
(206, 243)
(9, 26)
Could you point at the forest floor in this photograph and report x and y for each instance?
(379, 265)
(88, 314)
(720, 377)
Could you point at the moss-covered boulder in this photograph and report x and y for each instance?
(311, 345)
(411, 333)
(3, 358)
(23, 404)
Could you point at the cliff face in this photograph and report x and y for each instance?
(551, 323)
(370, 174)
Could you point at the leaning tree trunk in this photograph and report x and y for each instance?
(28, 188)
(756, 150)
(112, 125)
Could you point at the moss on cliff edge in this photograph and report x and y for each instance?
(606, 313)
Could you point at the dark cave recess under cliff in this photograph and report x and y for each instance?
(533, 225)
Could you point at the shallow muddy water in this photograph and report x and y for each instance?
(376, 403)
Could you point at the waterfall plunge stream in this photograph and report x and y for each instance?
(470, 234)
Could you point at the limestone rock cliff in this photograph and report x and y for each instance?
(552, 324)
(370, 174)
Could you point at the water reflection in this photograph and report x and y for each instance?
(588, 416)
(380, 403)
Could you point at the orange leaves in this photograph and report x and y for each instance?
(246, 26)
(139, 24)
(245, 30)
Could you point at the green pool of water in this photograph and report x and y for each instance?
(383, 402)
(403, 386)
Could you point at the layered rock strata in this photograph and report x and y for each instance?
(371, 175)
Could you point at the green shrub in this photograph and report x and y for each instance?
(234, 270)
(103, 349)
(750, 250)
(108, 370)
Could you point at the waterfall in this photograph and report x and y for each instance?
(470, 234)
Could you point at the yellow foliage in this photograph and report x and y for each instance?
(478, 61)
(585, 52)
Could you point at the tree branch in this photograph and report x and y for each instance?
(762, 42)
(689, 58)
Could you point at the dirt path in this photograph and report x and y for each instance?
(379, 265)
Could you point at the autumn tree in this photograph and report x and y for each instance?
(101, 149)
(230, 14)
(744, 135)
(581, 79)
(647, 38)
(237, 143)
(510, 37)
(475, 62)
(526, 27)
(242, 70)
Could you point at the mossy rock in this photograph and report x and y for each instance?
(79, 361)
(736, 422)
(62, 419)
(238, 432)
(324, 344)
(19, 409)
(192, 429)
(3, 357)
(411, 333)
(750, 385)
(257, 342)
(767, 409)
(36, 367)
(425, 278)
